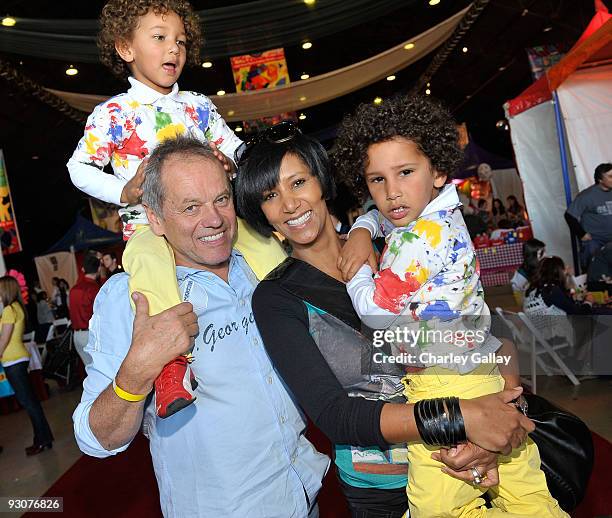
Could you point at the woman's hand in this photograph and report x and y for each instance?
(228, 165)
(132, 191)
(493, 423)
(356, 252)
(459, 461)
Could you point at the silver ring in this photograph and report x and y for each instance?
(477, 476)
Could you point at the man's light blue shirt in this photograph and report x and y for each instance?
(239, 450)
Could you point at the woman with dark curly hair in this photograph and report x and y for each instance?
(319, 347)
(151, 40)
(427, 293)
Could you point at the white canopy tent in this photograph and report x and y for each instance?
(560, 130)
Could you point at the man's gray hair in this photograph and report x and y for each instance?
(185, 147)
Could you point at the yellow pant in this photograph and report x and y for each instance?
(150, 262)
(522, 490)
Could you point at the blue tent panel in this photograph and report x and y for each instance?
(84, 234)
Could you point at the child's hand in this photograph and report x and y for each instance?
(355, 253)
(132, 191)
(228, 164)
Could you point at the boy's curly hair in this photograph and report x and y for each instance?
(420, 119)
(119, 19)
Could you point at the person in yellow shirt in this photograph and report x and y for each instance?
(15, 359)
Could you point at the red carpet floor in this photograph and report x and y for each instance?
(125, 486)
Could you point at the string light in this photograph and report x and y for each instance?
(428, 92)
(377, 100)
(307, 45)
(434, 2)
(207, 64)
(7, 21)
(309, 2)
(391, 78)
(230, 113)
(302, 116)
(71, 71)
(409, 46)
(464, 49)
(238, 129)
(302, 98)
(304, 76)
(221, 92)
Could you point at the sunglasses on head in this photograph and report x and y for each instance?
(284, 131)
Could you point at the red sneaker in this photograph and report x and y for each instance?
(174, 387)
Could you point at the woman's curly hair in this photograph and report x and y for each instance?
(119, 19)
(420, 119)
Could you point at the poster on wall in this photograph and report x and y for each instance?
(105, 215)
(261, 70)
(9, 238)
(62, 265)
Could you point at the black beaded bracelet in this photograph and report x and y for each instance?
(440, 422)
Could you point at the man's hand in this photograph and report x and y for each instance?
(228, 165)
(132, 191)
(356, 252)
(586, 237)
(494, 424)
(156, 340)
(459, 460)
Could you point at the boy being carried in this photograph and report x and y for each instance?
(404, 153)
(151, 40)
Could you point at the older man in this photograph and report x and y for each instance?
(239, 450)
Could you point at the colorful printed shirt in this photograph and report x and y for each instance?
(126, 128)
(428, 283)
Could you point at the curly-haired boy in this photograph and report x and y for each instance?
(149, 42)
(427, 292)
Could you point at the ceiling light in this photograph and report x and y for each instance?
(409, 46)
(302, 116)
(221, 92)
(304, 76)
(464, 49)
(303, 98)
(207, 64)
(309, 2)
(7, 21)
(71, 71)
(377, 100)
(548, 28)
(306, 45)
(391, 78)
(428, 92)
(238, 129)
(434, 2)
(230, 113)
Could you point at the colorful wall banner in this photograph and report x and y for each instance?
(542, 57)
(262, 70)
(258, 71)
(9, 238)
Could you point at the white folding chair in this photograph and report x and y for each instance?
(548, 348)
(529, 339)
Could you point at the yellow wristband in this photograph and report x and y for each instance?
(126, 396)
